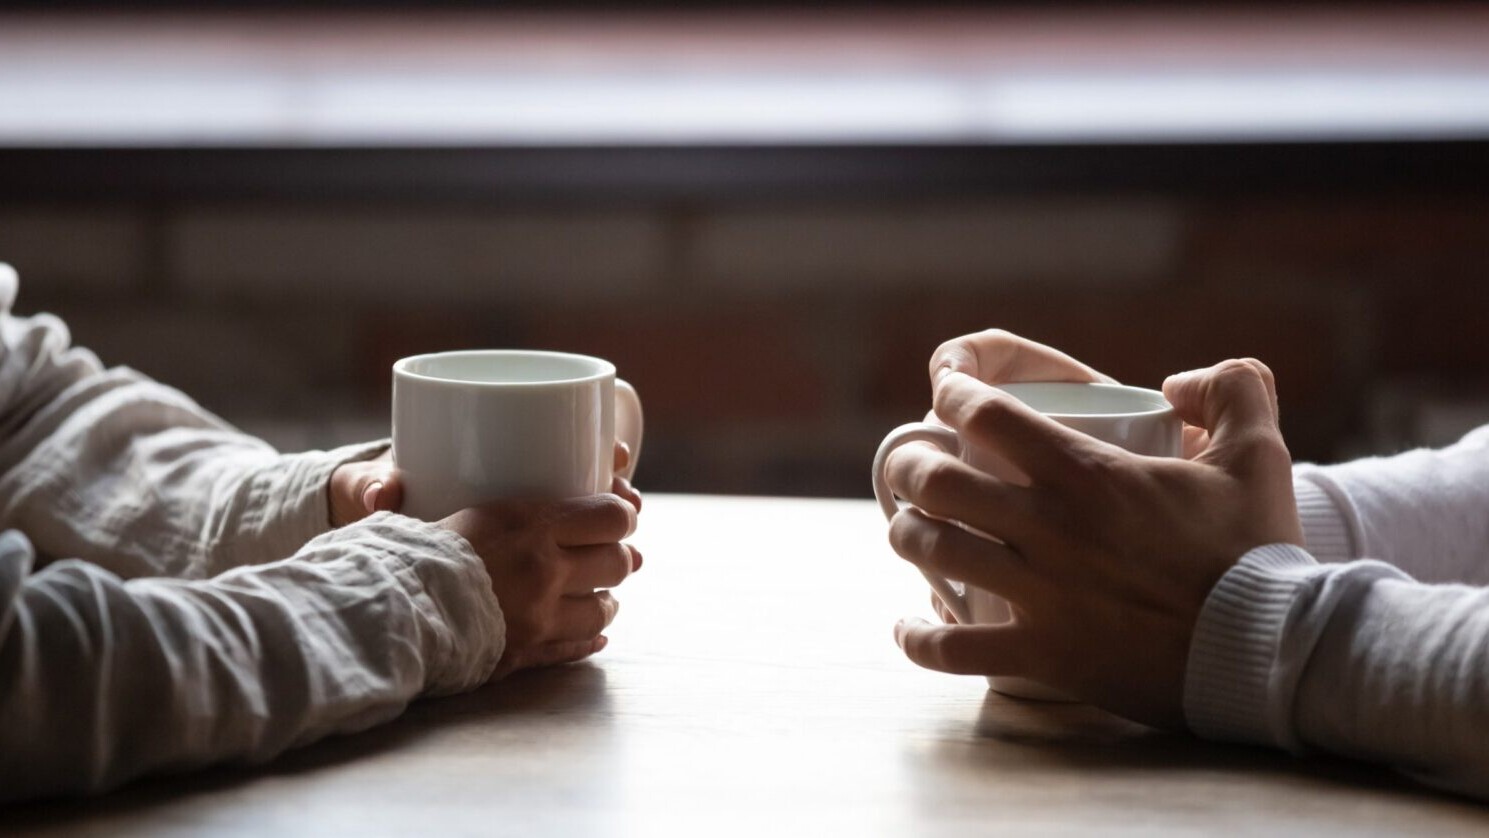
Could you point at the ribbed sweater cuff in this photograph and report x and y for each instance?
(1325, 529)
(1233, 689)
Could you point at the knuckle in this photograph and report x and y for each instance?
(618, 564)
(899, 533)
(616, 515)
(601, 615)
(991, 414)
(937, 479)
(1236, 373)
(947, 348)
(996, 339)
(913, 537)
(1261, 369)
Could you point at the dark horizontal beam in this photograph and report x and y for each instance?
(743, 173)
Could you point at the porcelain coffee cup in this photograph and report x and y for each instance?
(482, 425)
(1141, 421)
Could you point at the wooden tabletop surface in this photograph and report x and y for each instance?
(752, 687)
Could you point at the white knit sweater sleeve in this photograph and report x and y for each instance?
(160, 607)
(1355, 656)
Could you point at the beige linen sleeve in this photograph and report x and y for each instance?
(103, 680)
(160, 607)
(120, 471)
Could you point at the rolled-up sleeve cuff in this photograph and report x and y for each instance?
(1326, 529)
(1232, 680)
(294, 493)
(460, 630)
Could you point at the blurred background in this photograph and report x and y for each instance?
(767, 216)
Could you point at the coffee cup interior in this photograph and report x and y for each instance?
(505, 367)
(1059, 399)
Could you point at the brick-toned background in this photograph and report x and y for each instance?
(775, 344)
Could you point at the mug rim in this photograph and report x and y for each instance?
(603, 368)
(1159, 404)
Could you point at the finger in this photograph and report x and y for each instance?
(358, 489)
(1234, 403)
(385, 495)
(993, 420)
(622, 456)
(564, 651)
(1230, 393)
(996, 356)
(596, 519)
(1271, 381)
(583, 617)
(946, 487)
(597, 566)
(963, 650)
(1196, 440)
(623, 487)
(944, 549)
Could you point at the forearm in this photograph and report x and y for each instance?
(134, 476)
(115, 469)
(103, 680)
(1354, 659)
(1422, 511)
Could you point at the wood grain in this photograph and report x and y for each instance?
(752, 686)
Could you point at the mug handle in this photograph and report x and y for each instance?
(628, 423)
(947, 440)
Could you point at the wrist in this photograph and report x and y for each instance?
(1235, 680)
(1326, 527)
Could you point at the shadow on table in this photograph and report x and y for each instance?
(574, 689)
(1083, 738)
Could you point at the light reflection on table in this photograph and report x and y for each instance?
(752, 686)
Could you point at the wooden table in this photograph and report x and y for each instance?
(752, 687)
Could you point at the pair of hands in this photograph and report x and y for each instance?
(551, 563)
(1107, 557)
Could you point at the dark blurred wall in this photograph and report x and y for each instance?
(774, 344)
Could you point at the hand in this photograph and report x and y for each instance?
(548, 562)
(994, 356)
(1107, 557)
(359, 489)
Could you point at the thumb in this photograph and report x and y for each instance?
(963, 650)
(361, 488)
(382, 491)
(1234, 401)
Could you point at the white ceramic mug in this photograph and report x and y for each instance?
(476, 426)
(1141, 421)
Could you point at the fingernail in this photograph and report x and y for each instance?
(369, 496)
(601, 642)
(943, 371)
(899, 633)
(635, 560)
